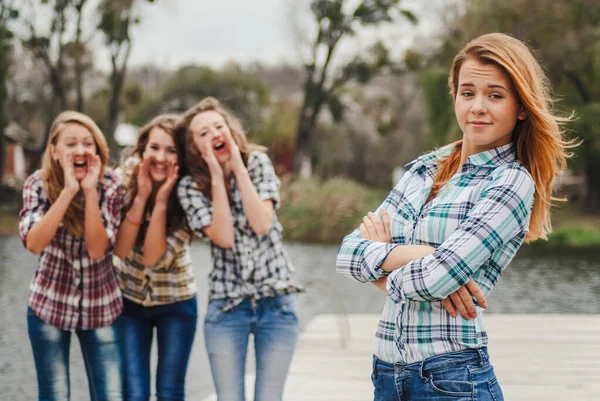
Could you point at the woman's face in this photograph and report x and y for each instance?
(210, 129)
(161, 150)
(71, 146)
(486, 106)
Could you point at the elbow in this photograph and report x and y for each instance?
(36, 250)
(94, 255)
(225, 243)
(150, 261)
(262, 230)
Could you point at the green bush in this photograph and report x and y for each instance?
(324, 211)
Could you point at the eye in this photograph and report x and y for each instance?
(153, 147)
(203, 133)
(496, 96)
(173, 151)
(466, 94)
(88, 144)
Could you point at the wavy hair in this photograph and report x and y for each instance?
(195, 164)
(540, 145)
(52, 172)
(175, 215)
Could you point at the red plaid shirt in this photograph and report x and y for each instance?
(69, 290)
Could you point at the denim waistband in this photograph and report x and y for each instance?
(436, 362)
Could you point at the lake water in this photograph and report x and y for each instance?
(536, 282)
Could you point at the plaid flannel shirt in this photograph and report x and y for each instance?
(69, 290)
(171, 279)
(477, 222)
(257, 266)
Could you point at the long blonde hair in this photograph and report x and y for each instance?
(195, 164)
(175, 215)
(538, 139)
(52, 172)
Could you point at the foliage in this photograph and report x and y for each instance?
(565, 37)
(323, 86)
(315, 211)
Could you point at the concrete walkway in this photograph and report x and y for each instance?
(536, 357)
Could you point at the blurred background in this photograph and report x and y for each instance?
(342, 92)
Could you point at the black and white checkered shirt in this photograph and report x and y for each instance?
(257, 266)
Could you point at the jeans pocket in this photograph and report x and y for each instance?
(287, 307)
(486, 384)
(452, 382)
(214, 314)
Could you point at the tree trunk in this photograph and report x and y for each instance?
(113, 119)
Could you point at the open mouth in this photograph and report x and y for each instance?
(161, 167)
(219, 146)
(80, 164)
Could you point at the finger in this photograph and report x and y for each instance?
(387, 223)
(447, 303)
(475, 291)
(363, 231)
(459, 305)
(370, 229)
(378, 224)
(465, 296)
(372, 225)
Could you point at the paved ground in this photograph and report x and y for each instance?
(536, 357)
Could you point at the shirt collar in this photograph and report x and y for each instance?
(494, 157)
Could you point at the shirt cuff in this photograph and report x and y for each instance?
(375, 254)
(393, 286)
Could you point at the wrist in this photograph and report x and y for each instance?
(69, 192)
(90, 192)
(140, 200)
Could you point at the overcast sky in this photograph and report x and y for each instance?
(212, 32)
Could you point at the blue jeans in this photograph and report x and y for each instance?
(175, 329)
(274, 324)
(102, 355)
(455, 376)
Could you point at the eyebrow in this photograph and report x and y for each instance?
(491, 86)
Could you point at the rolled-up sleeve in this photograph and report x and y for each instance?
(110, 208)
(361, 259)
(35, 205)
(500, 215)
(197, 207)
(263, 176)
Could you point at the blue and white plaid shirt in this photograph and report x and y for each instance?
(477, 222)
(257, 266)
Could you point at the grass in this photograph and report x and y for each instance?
(324, 211)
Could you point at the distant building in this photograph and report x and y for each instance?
(21, 145)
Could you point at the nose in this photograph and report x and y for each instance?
(160, 156)
(478, 106)
(79, 149)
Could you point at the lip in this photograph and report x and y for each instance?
(479, 123)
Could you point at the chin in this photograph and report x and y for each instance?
(159, 179)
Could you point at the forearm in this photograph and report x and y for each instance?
(42, 232)
(95, 235)
(128, 232)
(220, 230)
(360, 259)
(155, 243)
(258, 212)
(402, 254)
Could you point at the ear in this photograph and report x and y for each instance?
(53, 153)
(522, 114)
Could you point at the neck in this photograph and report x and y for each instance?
(226, 170)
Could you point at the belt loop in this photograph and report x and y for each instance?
(483, 354)
(374, 374)
(422, 369)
